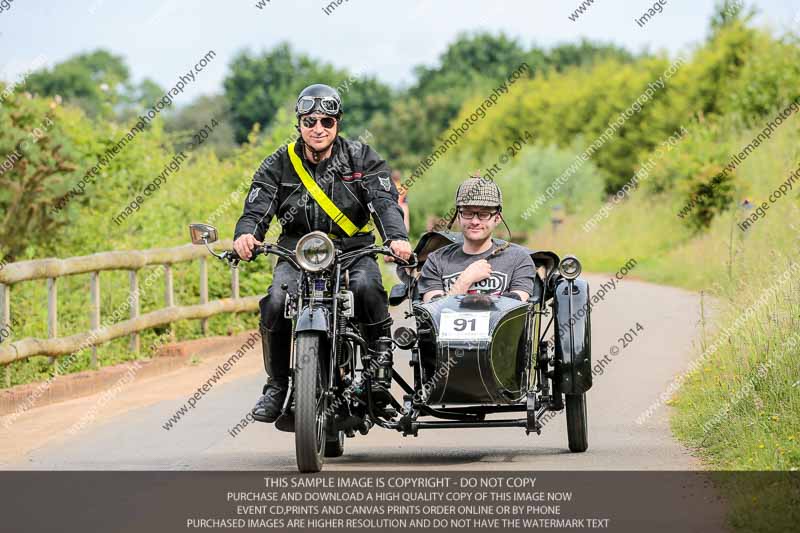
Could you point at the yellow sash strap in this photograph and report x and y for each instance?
(327, 205)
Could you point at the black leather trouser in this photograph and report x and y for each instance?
(371, 308)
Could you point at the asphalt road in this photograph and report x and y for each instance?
(125, 430)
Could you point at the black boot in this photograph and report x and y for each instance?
(269, 405)
(275, 347)
(378, 337)
(374, 332)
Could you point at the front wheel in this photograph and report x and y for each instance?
(577, 423)
(310, 415)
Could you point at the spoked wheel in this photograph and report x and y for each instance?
(310, 413)
(577, 423)
(335, 447)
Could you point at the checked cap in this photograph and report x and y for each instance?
(479, 192)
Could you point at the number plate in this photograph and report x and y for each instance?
(464, 326)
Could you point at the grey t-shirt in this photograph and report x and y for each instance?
(512, 270)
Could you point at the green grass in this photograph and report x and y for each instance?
(741, 410)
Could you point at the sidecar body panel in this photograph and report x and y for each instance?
(472, 349)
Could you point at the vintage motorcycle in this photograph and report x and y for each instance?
(472, 355)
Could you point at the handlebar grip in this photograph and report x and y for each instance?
(232, 255)
(410, 262)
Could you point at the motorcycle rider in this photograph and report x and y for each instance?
(323, 182)
(481, 264)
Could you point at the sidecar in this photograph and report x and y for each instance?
(475, 356)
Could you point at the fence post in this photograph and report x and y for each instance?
(134, 283)
(52, 312)
(5, 321)
(169, 295)
(234, 282)
(204, 291)
(94, 290)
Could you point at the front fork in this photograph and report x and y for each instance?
(545, 375)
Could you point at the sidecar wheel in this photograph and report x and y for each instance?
(335, 447)
(577, 423)
(310, 416)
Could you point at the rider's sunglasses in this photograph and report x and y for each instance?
(327, 105)
(482, 215)
(327, 122)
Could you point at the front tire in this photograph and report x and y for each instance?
(310, 416)
(577, 423)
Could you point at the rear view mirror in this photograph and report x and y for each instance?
(203, 233)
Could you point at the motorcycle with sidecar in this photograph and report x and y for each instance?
(476, 359)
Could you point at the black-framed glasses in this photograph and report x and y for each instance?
(482, 215)
(327, 122)
(327, 104)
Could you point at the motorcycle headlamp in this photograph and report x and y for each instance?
(570, 267)
(315, 251)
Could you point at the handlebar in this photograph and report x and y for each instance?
(233, 258)
(351, 257)
(348, 258)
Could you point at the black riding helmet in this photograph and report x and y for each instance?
(319, 98)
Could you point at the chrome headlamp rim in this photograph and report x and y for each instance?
(570, 267)
(316, 266)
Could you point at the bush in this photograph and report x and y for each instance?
(204, 189)
(521, 180)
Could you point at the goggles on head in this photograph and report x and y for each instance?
(326, 105)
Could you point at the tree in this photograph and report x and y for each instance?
(474, 64)
(364, 97)
(38, 158)
(583, 54)
(408, 132)
(727, 12)
(95, 81)
(259, 85)
(470, 60)
(186, 122)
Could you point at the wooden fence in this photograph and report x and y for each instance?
(132, 261)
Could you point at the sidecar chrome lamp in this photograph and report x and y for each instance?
(570, 267)
(314, 251)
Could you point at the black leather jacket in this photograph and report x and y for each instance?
(354, 177)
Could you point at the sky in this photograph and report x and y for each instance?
(162, 39)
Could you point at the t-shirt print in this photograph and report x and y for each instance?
(495, 284)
